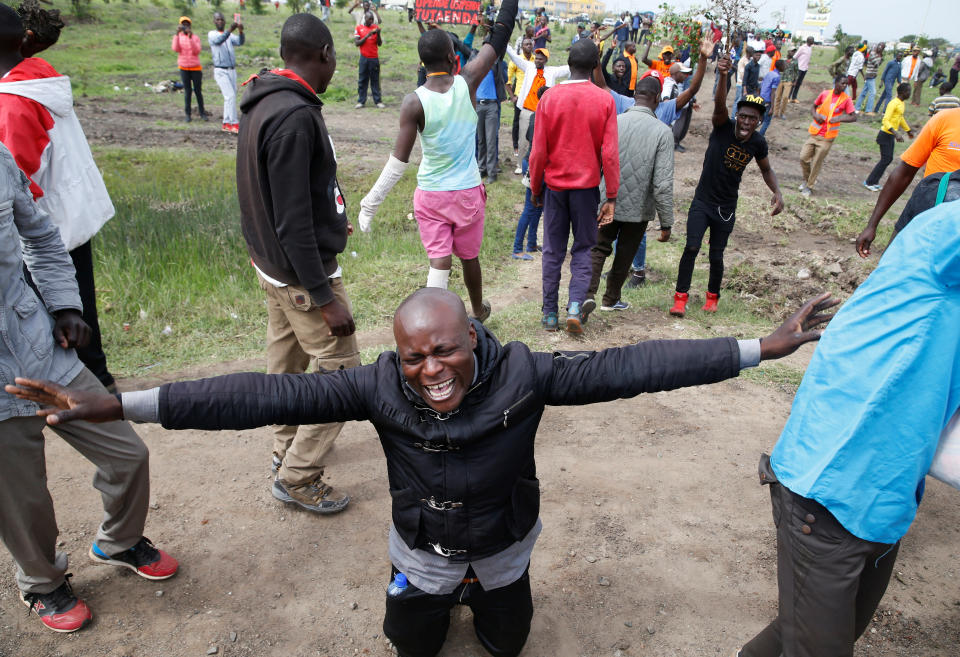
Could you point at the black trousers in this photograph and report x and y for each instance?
(830, 582)
(699, 219)
(628, 236)
(886, 141)
(92, 355)
(797, 84)
(682, 124)
(369, 72)
(417, 622)
(192, 82)
(515, 133)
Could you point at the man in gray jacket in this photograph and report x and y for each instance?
(28, 526)
(646, 187)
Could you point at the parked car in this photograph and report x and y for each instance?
(609, 22)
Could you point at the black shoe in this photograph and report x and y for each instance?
(587, 307)
(204, 115)
(187, 118)
(679, 148)
(637, 278)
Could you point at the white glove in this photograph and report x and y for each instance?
(389, 177)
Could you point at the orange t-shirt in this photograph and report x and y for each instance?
(661, 67)
(532, 100)
(937, 145)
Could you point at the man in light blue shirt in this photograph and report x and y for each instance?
(847, 474)
(222, 43)
(767, 89)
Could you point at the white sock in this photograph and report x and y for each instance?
(438, 278)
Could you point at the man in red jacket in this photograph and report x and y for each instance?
(574, 143)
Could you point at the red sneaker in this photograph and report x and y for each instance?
(226, 128)
(60, 610)
(235, 128)
(679, 304)
(143, 559)
(711, 304)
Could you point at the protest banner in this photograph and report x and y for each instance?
(462, 12)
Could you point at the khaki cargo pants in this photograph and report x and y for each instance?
(812, 155)
(297, 340)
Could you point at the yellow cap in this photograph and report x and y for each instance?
(185, 19)
(546, 53)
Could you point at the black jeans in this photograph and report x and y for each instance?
(628, 236)
(682, 124)
(886, 141)
(797, 84)
(369, 72)
(417, 622)
(699, 219)
(830, 582)
(92, 355)
(515, 133)
(192, 79)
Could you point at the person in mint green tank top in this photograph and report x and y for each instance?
(450, 200)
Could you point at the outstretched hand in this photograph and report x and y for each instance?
(800, 328)
(59, 405)
(707, 44)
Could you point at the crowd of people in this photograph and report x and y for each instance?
(456, 411)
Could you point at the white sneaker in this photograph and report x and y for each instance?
(518, 170)
(525, 181)
(358, 106)
(805, 192)
(381, 106)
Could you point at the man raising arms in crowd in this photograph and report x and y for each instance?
(732, 145)
(222, 43)
(449, 204)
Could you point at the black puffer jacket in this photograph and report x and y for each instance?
(463, 484)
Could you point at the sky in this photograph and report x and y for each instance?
(875, 20)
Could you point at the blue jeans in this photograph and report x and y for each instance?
(640, 259)
(867, 95)
(733, 112)
(885, 98)
(529, 221)
(767, 117)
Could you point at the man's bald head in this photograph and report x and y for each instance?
(428, 306)
(675, 70)
(435, 343)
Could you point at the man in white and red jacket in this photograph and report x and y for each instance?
(41, 130)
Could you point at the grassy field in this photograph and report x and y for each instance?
(173, 256)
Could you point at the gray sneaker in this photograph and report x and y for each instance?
(312, 496)
(275, 464)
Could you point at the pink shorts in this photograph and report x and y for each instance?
(451, 222)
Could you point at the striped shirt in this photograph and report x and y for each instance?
(943, 103)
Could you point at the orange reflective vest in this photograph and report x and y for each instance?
(774, 59)
(828, 108)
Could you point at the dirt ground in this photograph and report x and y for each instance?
(658, 496)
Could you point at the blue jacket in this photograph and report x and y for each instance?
(27, 236)
(882, 384)
(891, 74)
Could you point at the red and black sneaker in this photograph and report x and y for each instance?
(143, 559)
(60, 610)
